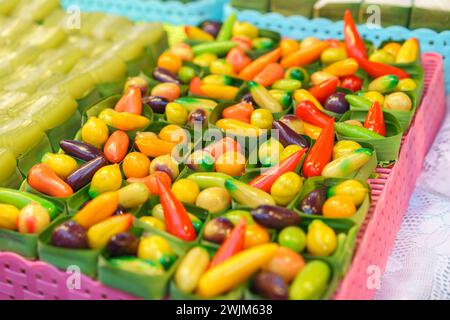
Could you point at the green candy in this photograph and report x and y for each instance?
(293, 238)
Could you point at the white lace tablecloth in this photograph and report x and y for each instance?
(419, 265)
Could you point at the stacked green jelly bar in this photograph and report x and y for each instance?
(53, 63)
(390, 12)
(257, 5)
(335, 9)
(293, 7)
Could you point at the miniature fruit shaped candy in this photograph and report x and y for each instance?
(131, 102)
(80, 150)
(309, 113)
(282, 96)
(83, 175)
(108, 178)
(350, 188)
(313, 202)
(173, 133)
(247, 195)
(217, 230)
(255, 235)
(136, 165)
(238, 59)
(155, 248)
(185, 190)
(191, 268)
(150, 181)
(286, 263)
(407, 84)
(269, 152)
(288, 46)
(289, 151)
(320, 153)
(8, 216)
(156, 103)
(205, 59)
(243, 42)
(176, 114)
(302, 95)
(169, 91)
(347, 164)
(375, 120)
(297, 73)
(133, 195)
(95, 132)
(236, 215)
(384, 84)
(213, 199)
(263, 43)
(241, 111)
(339, 207)
(239, 128)
(306, 54)
(274, 217)
(286, 188)
(392, 47)
(208, 180)
(311, 282)
(292, 237)
(186, 74)
(261, 118)
(150, 145)
(270, 286)
(382, 56)
(220, 92)
(269, 75)
(70, 235)
(231, 163)
(332, 55)
(233, 244)
(197, 119)
(351, 82)
(263, 98)
(320, 76)
(122, 244)
(234, 270)
(137, 82)
(99, 234)
(175, 214)
(123, 120)
(116, 146)
(62, 164)
(221, 66)
(165, 164)
(336, 103)
(200, 161)
(409, 51)
(293, 122)
(245, 29)
(169, 61)
(211, 27)
(344, 147)
(374, 96)
(32, 218)
(223, 145)
(136, 265)
(324, 89)
(353, 42)
(321, 240)
(43, 179)
(198, 34)
(286, 85)
(97, 210)
(153, 223)
(398, 101)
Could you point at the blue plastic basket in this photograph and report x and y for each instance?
(173, 12)
(300, 27)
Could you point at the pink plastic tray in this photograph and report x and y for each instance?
(22, 279)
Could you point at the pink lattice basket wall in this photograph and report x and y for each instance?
(22, 279)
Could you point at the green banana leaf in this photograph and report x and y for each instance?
(387, 149)
(65, 131)
(32, 157)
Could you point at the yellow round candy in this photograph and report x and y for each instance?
(153, 248)
(339, 207)
(170, 61)
(344, 147)
(205, 59)
(8, 216)
(173, 133)
(382, 56)
(286, 187)
(407, 84)
(62, 164)
(262, 118)
(245, 29)
(33, 218)
(231, 163)
(176, 114)
(214, 199)
(220, 66)
(158, 212)
(185, 190)
(374, 96)
(136, 165)
(153, 223)
(321, 240)
(95, 132)
(350, 188)
(397, 101)
(392, 48)
(289, 150)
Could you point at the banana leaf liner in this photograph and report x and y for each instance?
(387, 149)
(177, 294)
(144, 286)
(317, 182)
(176, 243)
(338, 262)
(62, 258)
(14, 180)
(34, 155)
(109, 103)
(23, 244)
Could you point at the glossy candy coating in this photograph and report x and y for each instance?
(350, 188)
(217, 230)
(286, 263)
(107, 178)
(311, 282)
(136, 165)
(169, 91)
(186, 190)
(231, 163)
(95, 132)
(176, 114)
(292, 237)
(167, 164)
(269, 152)
(274, 217)
(398, 101)
(336, 103)
(122, 244)
(344, 147)
(83, 175)
(313, 202)
(62, 164)
(255, 235)
(80, 150)
(270, 286)
(153, 222)
(32, 218)
(339, 207)
(261, 118)
(286, 188)
(69, 235)
(321, 240)
(213, 199)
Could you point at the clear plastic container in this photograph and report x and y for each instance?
(37, 10)
(19, 135)
(49, 110)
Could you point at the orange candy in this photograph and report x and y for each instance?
(136, 165)
(288, 46)
(286, 263)
(255, 235)
(167, 90)
(241, 111)
(170, 61)
(150, 181)
(231, 163)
